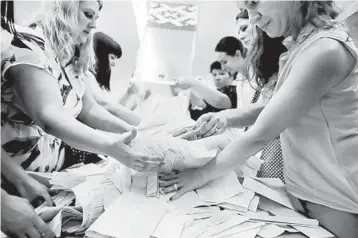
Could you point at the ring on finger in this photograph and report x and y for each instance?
(175, 187)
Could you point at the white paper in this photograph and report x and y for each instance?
(152, 184)
(171, 225)
(220, 189)
(131, 216)
(279, 210)
(232, 222)
(270, 231)
(254, 204)
(278, 195)
(241, 200)
(187, 201)
(243, 230)
(189, 154)
(89, 195)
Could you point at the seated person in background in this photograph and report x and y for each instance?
(224, 97)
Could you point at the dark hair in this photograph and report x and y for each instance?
(230, 45)
(243, 14)
(263, 58)
(215, 65)
(8, 16)
(103, 46)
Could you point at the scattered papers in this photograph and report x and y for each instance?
(278, 210)
(220, 189)
(278, 196)
(152, 185)
(271, 231)
(171, 225)
(254, 204)
(131, 216)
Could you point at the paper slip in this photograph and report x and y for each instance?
(89, 195)
(240, 230)
(201, 226)
(220, 189)
(152, 184)
(247, 234)
(242, 200)
(254, 204)
(139, 216)
(274, 183)
(270, 231)
(279, 196)
(111, 194)
(86, 170)
(282, 220)
(279, 210)
(232, 222)
(171, 225)
(187, 201)
(204, 209)
(63, 180)
(63, 216)
(188, 154)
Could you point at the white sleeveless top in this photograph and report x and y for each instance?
(321, 149)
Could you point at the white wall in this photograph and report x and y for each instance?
(216, 20)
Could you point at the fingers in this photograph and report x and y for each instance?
(203, 119)
(178, 194)
(33, 232)
(45, 194)
(129, 136)
(169, 189)
(165, 184)
(169, 177)
(43, 228)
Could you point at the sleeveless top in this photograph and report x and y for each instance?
(26, 142)
(320, 150)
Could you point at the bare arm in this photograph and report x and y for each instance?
(109, 104)
(42, 101)
(243, 117)
(328, 66)
(212, 96)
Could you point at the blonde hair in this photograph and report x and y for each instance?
(59, 23)
(318, 13)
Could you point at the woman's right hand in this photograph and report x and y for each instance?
(211, 124)
(133, 159)
(18, 218)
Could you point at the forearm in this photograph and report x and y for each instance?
(125, 98)
(12, 171)
(75, 133)
(123, 113)
(233, 155)
(243, 117)
(98, 117)
(212, 96)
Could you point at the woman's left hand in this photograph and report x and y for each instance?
(182, 182)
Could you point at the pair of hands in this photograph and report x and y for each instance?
(18, 216)
(133, 159)
(18, 219)
(183, 182)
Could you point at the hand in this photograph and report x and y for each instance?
(215, 123)
(32, 190)
(132, 159)
(185, 82)
(182, 182)
(18, 219)
(133, 88)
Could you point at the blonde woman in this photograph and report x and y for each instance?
(314, 109)
(43, 94)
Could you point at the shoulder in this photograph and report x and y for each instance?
(327, 54)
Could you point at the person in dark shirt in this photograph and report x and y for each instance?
(204, 99)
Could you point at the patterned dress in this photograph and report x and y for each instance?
(25, 141)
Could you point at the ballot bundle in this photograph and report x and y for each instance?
(178, 154)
